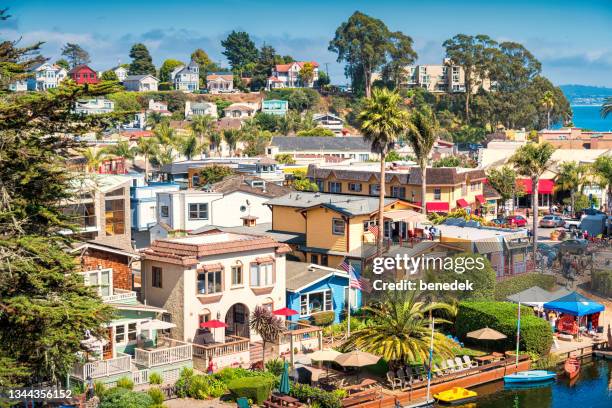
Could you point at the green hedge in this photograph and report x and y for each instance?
(257, 389)
(519, 283)
(323, 318)
(536, 334)
(601, 282)
(316, 396)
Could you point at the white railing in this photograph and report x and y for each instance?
(140, 377)
(102, 368)
(233, 346)
(120, 294)
(166, 355)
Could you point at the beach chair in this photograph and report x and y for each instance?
(404, 381)
(460, 364)
(469, 363)
(243, 402)
(437, 371)
(445, 367)
(421, 371)
(393, 381)
(451, 366)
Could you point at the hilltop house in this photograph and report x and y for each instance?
(140, 83)
(200, 109)
(275, 107)
(160, 107)
(94, 106)
(83, 74)
(46, 76)
(354, 148)
(20, 85)
(186, 78)
(329, 121)
(288, 75)
(220, 82)
(121, 72)
(242, 110)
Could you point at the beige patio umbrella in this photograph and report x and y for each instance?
(356, 358)
(486, 334)
(325, 355)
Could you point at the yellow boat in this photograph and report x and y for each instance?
(455, 395)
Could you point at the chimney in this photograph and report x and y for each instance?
(249, 221)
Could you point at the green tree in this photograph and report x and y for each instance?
(323, 79)
(167, 141)
(422, 138)
(448, 161)
(142, 63)
(316, 131)
(154, 119)
(382, 121)
(602, 168)
(548, 102)
(474, 55)
(503, 180)
(125, 101)
(75, 54)
(202, 126)
(532, 160)
(214, 173)
(231, 137)
(571, 176)
(189, 146)
(401, 54)
(109, 75)
(122, 149)
(284, 158)
(303, 183)
(167, 67)
(398, 329)
(147, 147)
(62, 62)
(306, 74)
(361, 43)
(239, 50)
(215, 139)
(267, 326)
(94, 158)
(262, 69)
(206, 65)
(606, 108)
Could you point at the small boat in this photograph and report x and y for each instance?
(455, 395)
(529, 376)
(572, 367)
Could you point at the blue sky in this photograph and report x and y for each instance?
(572, 39)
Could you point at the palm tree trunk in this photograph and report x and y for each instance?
(263, 353)
(534, 209)
(381, 205)
(548, 119)
(146, 158)
(423, 187)
(368, 89)
(572, 201)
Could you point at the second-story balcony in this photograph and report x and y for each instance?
(120, 296)
(166, 351)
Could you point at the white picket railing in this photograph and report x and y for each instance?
(102, 368)
(232, 345)
(140, 377)
(175, 352)
(120, 294)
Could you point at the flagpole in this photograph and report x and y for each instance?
(348, 312)
(518, 333)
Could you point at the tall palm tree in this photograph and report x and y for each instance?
(231, 137)
(606, 108)
(602, 168)
(548, 102)
(532, 160)
(422, 138)
(94, 158)
(382, 121)
(147, 147)
(398, 329)
(122, 149)
(268, 326)
(571, 177)
(189, 146)
(154, 119)
(166, 138)
(215, 140)
(202, 126)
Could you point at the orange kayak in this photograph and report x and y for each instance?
(572, 367)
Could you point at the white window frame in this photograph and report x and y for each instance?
(241, 274)
(437, 193)
(126, 332)
(334, 225)
(261, 275)
(198, 211)
(207, 276)
(327, 305)
(98, 286)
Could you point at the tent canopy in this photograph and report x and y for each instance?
(575, 304)
(536, 296)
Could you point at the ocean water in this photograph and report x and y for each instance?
(588, 117)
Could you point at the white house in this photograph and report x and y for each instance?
(46, 76)
(288, 75)
(19, 85)
(140, 83)
(186, 210)
(186, 78)
(241, 110)
(160, 107)
(121, 73)
(94, 106)
(200, 109)
(329, 121)
(220, 82)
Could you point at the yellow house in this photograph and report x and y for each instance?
(447, 187)
(339, 227)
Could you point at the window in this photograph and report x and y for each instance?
(195, 180)
(355, 187)
(125, 333)
(437, 194)
(374, 189)
(209, 282)
(398, 192)
(324, 261)
(114, 216)
(237, 275)
(314, 258)
(261, 275)
(101, 279)
(316, 302)
(320, 185)
(120, 334)
(204, 316)
(198, 211)
(475, 186)
(338, 226)
(463, 189)
(156, 277)
(163, 210)
(335, 187)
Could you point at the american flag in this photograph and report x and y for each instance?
(373, 228)
(355, 279)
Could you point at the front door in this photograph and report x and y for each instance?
(107, 350)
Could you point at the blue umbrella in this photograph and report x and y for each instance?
(283, 387)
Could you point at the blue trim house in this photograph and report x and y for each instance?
(275, 107)
(313, 288)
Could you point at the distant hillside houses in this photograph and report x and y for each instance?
(288, 75)
(186, 78)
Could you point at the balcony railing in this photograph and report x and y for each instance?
(299, 331)
(168, 351)
(103, 368)
(232, 345)
(119, 295)
(140, 377)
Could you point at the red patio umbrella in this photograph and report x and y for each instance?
(213, 324)
(285, 311)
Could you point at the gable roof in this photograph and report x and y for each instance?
(241, 182)
(287, 67)
(81, 67)
(301, 275)
(321, 143)
(227, 76)
(350, 205)
(139, 77)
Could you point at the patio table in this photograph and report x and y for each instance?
(482, 360)
(286, 400)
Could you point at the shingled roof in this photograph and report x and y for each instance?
(320, 143)
(347, 204)
(244, 183)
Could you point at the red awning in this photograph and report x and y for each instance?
(437, 207)
(545, 186)
(462, 203)
(480, 198)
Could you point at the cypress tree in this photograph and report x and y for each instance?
(142, 63)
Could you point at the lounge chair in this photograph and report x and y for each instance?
(243, 402)
(469, 363)
(421, 371)
(402, 377)
(445, 367)
(460, 364)
(393, 381)
(451, 366)
(437, 371)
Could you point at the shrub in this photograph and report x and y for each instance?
(601, 281)
(316, 396)
(126, 383)
(205, 386)
(256, 389)
(228, 374)
(323, 318)
(156, 395)
(536, 335)
(519, 283)
(99, 389)
(120, 397)
(275, 366)
(182, 384)
(155, 378)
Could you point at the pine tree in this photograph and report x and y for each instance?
(142, 63)
(75, 54)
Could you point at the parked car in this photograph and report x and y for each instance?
(573, 246)
(572, 223)
(517, 220)
(551, 221)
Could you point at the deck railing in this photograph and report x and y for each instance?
(299, 331)
(119, 294)
(102, 368)
(235, 345)
(140, 377)
(168, 351)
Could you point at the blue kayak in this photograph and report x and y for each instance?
(529, 376)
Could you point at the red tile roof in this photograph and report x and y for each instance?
(287, 67)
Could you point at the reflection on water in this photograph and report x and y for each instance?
(592, 389)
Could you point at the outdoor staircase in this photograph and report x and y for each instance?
(255, 351)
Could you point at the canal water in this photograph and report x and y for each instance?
(592, 389)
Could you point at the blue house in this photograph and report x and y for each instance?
(275, 107)
(313, 288)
